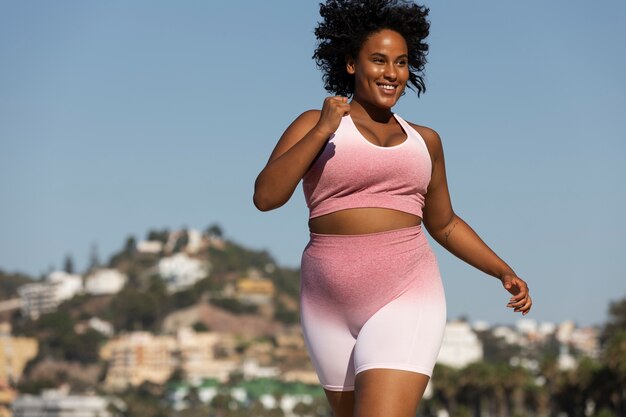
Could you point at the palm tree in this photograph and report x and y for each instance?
(549, 371)
(445, 384)
(512, 382)
(615, 359)
(303, 409)
(256, 408)
(221, 403)
(477, 383)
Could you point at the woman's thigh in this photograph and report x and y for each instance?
(388, 392)
(341, 402)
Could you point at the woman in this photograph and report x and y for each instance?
(372, 304)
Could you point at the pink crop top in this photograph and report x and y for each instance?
(352, 172)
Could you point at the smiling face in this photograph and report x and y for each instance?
(381, 69)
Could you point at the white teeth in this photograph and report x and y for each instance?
(387, 87)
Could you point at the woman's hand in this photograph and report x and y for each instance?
(333, 110)
(521, 300)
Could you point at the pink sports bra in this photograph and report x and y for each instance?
(352, 172)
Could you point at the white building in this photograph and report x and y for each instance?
(564, 331)
(566, 360)
(141, 356)
(180, 272)
(526, 326)
(105, 281)
(509, 335)
(39, 298)
(547, 328)
(480, 326)
(586, 339)
(55, 404)
(251, 370)
(104, 327)
(196, 241)
(460, 346)
(196, 352)
(153, 247)
(66, 285)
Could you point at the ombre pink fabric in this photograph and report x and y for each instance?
(352, 172)
(373, 300)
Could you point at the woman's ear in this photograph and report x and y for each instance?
(350, 65)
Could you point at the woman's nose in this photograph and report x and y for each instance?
(390, 71)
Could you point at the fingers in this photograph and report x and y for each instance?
(520, 301)
(340, 99)
(523, 305)
(523, 293)
(337, 103)
(333, 109)
(526, 308)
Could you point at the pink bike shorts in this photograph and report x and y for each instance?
(371, 300)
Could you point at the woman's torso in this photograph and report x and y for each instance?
(362, 220)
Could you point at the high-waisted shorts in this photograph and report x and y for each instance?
(372, 300)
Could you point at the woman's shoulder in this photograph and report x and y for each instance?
(298, 128)
(311, 112)
(308, 115)
(306, 120)
(430, 136)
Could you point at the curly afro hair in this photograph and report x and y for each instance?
(348, 23)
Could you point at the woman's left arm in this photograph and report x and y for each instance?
(451, 232)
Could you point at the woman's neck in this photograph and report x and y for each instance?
(364, 110)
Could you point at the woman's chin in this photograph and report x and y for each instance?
(388, 102)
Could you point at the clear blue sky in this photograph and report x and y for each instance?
(117, 117)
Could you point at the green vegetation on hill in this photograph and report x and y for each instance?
(58, 339)
(234, 306)
(133, 309)
(144, 302)
(234, 257)
(10, 284)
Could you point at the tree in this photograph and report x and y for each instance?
(193, 398)
(130, 245)
(221, 402)
(200, 327)
(214, 230)
(94, 258)
(446, 387)
(159, 235)
(11, 282)
(617, 319)
(477, 383)
(614, 357)
(146, 401)
(68, 264)
(303, 409)
(182, 241)
(276, 412)
(132, 309)
(513, 382)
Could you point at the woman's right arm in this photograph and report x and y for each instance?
(295, 151)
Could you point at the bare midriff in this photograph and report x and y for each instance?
(361, 220)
